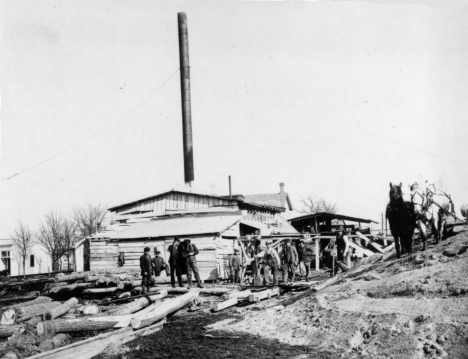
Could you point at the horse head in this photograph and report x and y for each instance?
(395, 192)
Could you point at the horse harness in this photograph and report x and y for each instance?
(427, 202)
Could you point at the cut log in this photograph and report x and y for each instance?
(28, 296)
(36, 310)
(129, 284)
(124, 320)
(54, 284)
(124, 295)
(9, 330)
(34, 321)
(70, 277)
(91, 347)
(91, 278)
(38, 300)
(131, 307)
(72, 326)
(162, 294)
(60, 310)
(265, 294)
(91, 309)
(108, 290)
(239, 295)
(9, 316)
(163, 310)
(226, 304)
(71, 287)
(55, 342)
(205, 291)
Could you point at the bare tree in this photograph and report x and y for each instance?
(50, 235)
(88, 219)
(23, 241)
(69, 233)
(312, 205)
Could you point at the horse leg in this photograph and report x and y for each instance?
(436, 227)
(409, 239)
(397, 245)
(423, 233)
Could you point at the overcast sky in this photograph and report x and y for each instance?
(334, 99)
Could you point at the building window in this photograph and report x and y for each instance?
(31, 260)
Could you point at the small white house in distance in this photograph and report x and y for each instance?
(38, 261)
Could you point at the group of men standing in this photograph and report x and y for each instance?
(182, 261)
(287, 260)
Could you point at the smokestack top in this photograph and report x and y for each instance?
(182, 17)
(281, 187)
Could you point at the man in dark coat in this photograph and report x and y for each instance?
(305, 256)
(189, 251)
(146, 270)
(158, 262)
(290, 262)
(175, 259)
(235, 265)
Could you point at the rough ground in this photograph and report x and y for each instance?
(413, 307)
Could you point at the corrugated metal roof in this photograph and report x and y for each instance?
(179, 226)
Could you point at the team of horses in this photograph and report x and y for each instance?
(428, 206)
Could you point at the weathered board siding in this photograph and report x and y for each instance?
(103, 255)
(224, 249)
(175, 201)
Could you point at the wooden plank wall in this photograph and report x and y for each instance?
(206, 259)
(103, 255)
(176, 201)
(225, 247)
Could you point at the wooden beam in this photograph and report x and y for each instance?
(265, 294)
(317, 254)
(239, 295)
(224, 305)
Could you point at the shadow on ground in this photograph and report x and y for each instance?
(183, 337)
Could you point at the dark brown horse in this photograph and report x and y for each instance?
(402, 220)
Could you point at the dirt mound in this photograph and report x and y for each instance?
(413, 307)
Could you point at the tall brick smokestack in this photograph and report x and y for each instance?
(185, 91)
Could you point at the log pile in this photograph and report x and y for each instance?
(82, 303)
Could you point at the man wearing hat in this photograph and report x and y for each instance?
(272, 262)
(176, 262)
(235, 265)
(305, 256)
(290, 262)
(189, 251)
(158, 262)
(340, 248)
(146, 270)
